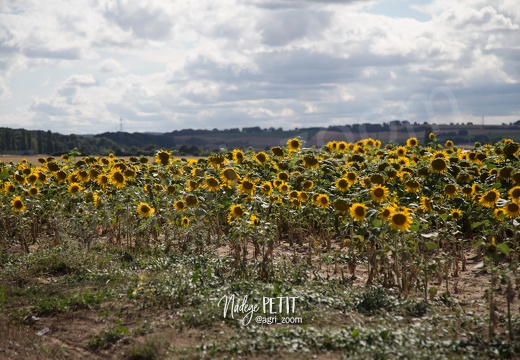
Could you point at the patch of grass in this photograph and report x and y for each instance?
(108, 337)
(148, 351)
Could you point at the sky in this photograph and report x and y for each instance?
(79, 66)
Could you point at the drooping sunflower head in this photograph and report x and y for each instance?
(310, 161)
(192, 200)
(379, 193)
(216, 161)
(294, 145)
(185, 221)
(211, 184)
(342, 184)
(467, 190)
(400, 220)
(261, 158)
(439, 165)
(425, 204)
(412, 185)
(145, 210)
(238, 156)
(377, 179)
(358, 211)
(450, 190)
(229, 176)
(277, 151)
(163, 157)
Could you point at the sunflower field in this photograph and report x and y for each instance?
(410, 214)
(393, 204)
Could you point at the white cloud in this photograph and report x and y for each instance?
(235, 63)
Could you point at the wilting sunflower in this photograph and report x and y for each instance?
(17, 204)
(185, 221)
(163, 157)
(246, 187)
(439, 165)
(358, 211)
(229, 176)
(412, 186)
(400, 220)
(512, 209)
(211, 184)
(412, 142)
(379, 193)
(277, 151)
(467, 190)
(74, 188)
(490, 198)
(425, 204)
(145, 210)
(310, 161)
(294, 145)
(238, 156)
(450, 190)
(117, 178)
(342, 184)
(514, 194)
(266, 187)
(261, 158)
(179, 205)
(322, 200)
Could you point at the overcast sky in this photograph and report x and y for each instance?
(78, 66)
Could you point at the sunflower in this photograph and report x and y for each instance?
(102, 180)
(387, 211)
(117, 178)
(254, 220)
(377, 179)
(179, 205)
(412, 142)
(266, 187)
(235, 211)
(212, 184)
(401, 151)
(33, 177)
(400, 220)
(277, 151)
(379, 193)
(52, 166)
(489, 198)
(467, 190)
(425, 204)
(342, 184)
(412, 186)
(74, 188)
(514, 194)
(358, 211)
(17, 204)
(229, 176)
(185, 221)
(448, 144)
(215, 161)
(61, 176)
(351, 177)
(9, 187)
(284, 187)
(145, 210)
(83, 175)
(261, 158)
(456, 213)
(310, 161)
(191, 185)
(322, 200)
(192, 200)
(163, 157)
(512, 209)
(294, 145)
(450, 190)
(341, 206)
(342, 146)
(439, 165)
(246, 187)
(34, 191)
(499, 214)
(307, 185)
(238, 156)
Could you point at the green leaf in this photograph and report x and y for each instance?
(503, 248)
(4, 174)
(376, 223)
(430, 245)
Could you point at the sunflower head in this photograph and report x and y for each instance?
(512, 209)
(261, 158)
(342, 184)
(212, 184)
(229, 176)
(238, 156)
(450, 190)
(400, 220)
(489, 198)
(17, 204)
(117, 178)
(145, 210)
(294, 145)
(277, 151)
(379, 193)
(439, 165)
(322, 200)
(180, 205)
(236, 211)
(412, 142)
(358, 211)
(185, 221)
